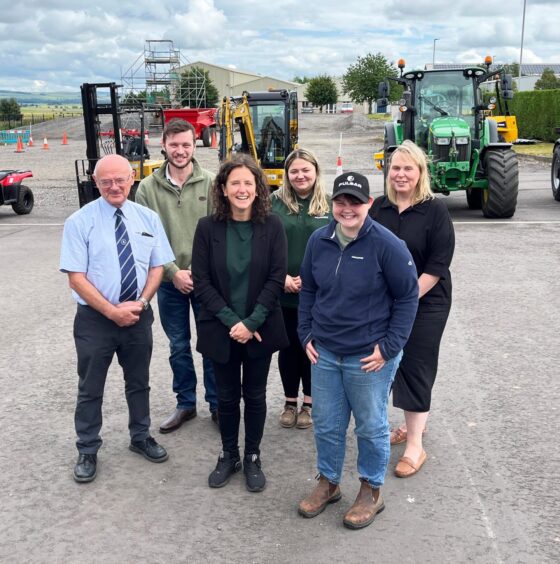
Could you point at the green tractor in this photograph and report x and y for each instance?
(443, 112)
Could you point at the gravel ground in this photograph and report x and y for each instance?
(486, 493)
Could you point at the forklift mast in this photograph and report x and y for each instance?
(92, 110)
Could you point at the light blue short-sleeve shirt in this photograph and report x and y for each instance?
(89, 246)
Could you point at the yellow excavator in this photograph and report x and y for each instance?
(267, 128)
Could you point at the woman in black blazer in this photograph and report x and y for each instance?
(239, 267)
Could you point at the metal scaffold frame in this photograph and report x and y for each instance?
(157, 71)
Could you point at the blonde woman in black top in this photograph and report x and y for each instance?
(413, 214)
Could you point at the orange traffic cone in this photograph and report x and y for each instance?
(64, 138)
(30, 142)
(45, 143)
(214, 144)
(339, 166)
(19, 146)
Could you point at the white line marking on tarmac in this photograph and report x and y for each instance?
(484, 514)
(501, 222)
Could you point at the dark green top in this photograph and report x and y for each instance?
(239, 237)
(298, 229)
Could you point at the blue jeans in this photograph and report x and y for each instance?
(340, 387)
(174, 310)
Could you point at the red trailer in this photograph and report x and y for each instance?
(203, 120)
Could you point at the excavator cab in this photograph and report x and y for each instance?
(268, 129)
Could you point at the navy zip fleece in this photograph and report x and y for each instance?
(360, 296)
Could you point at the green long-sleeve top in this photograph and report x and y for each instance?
(239, 236)
(299, 228)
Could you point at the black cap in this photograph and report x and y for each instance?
(353, 184)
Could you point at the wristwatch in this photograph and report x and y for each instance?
(145, 302)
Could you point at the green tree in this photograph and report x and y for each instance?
(301, 79)
(361, 80)
(134, 98)
(197, 89)
(321, 91)
(512, 68)
(547, 81)
(9, 108)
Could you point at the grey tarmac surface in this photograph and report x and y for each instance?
(488, 492)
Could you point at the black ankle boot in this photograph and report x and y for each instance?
(227, 465)
(254, 476)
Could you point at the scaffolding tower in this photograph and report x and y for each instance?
(157, 72)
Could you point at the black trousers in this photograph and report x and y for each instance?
(293, 363)
(97, 340)
(231, 384)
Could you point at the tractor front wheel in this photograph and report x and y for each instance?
(500, 199)
(474, 198)
(25, 202)
(555, 174)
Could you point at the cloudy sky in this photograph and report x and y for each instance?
(53, 45)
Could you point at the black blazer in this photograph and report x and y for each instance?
(266, 284)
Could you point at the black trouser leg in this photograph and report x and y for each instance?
(134, 354)
(255, 376)
(95, 345)
(228, 385)
(293, 364)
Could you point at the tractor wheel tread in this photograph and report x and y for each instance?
(502, 171)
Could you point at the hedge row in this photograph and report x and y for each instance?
(537, 113)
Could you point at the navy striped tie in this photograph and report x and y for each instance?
(129, 284)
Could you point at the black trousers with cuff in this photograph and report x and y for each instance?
(97, 340)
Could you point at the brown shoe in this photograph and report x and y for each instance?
(288, 417)
(323, 494)
(304, 420)
(176, 419)
(367, 505)
(406, 467)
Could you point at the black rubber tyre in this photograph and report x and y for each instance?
(555, 174)
(25, 201)
(389, 140)
(474, 198)
(207, 136)
(500, 200)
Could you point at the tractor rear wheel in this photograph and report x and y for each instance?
(474, 198)
(207, 136)
(555, 174)
(500, 199)
(25, 202)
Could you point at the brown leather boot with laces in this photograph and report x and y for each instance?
(367, 505)
(323, 494)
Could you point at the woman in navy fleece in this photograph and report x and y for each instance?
(357, 305)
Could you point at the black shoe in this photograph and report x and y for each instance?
(149, 449)
(254, 477)
(226, 467)
(214, 415)
(86, 468)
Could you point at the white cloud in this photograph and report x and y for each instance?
(65, 43)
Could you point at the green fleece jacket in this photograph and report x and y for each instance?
(179, 210)
(298, 229)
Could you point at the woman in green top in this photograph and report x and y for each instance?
(303, 207)
(239, 269)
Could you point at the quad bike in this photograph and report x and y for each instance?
(13, 192)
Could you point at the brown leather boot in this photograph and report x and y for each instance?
(367, 505)
(323, 494)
